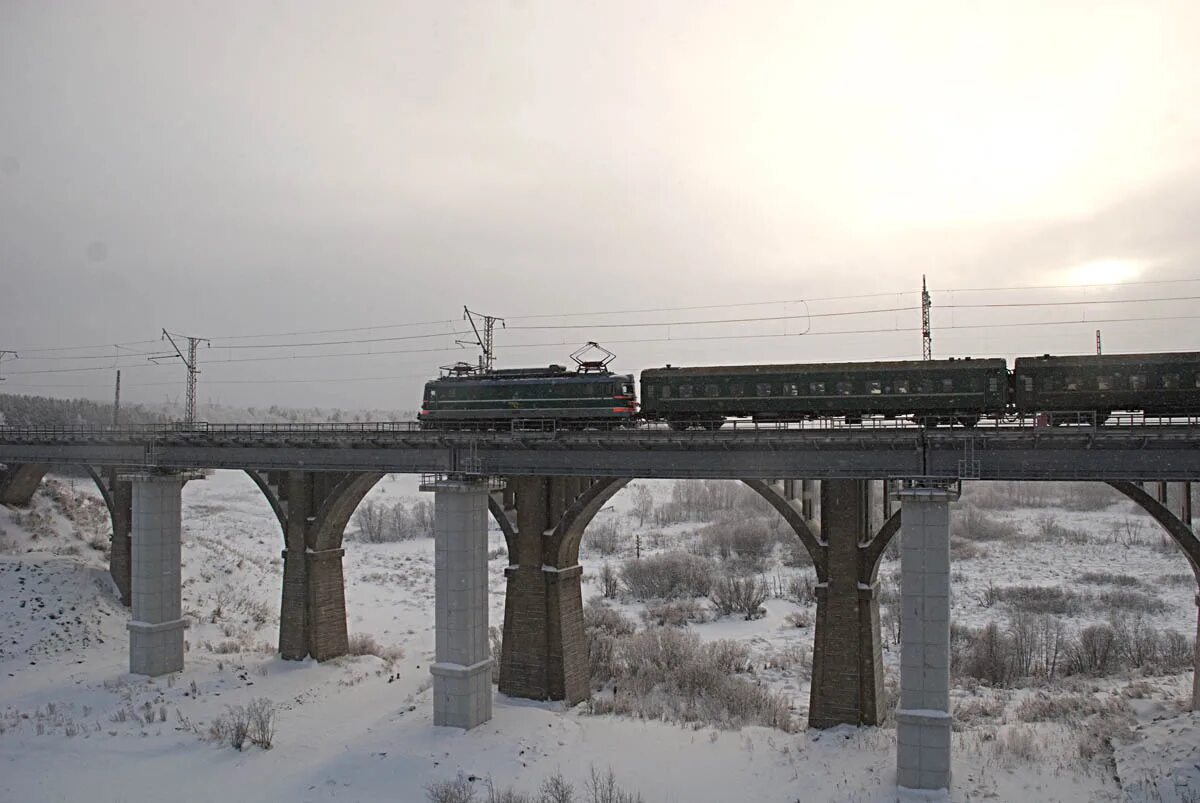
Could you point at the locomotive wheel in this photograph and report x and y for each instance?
(677, 425)
(968, 421)
(713, 424)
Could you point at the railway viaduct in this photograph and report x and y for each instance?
(551, 486)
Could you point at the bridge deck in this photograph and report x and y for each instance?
(1131, 450)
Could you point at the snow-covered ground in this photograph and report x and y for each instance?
(75, 726)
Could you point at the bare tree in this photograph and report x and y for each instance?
(643, 503)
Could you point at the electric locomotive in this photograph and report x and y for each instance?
(468, 398)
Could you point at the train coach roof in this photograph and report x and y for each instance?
(830, 367)
(1109, 360)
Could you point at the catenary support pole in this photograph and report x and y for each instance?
(156, 631)
(923, 717)
(462, 672)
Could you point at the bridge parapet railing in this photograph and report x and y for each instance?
(139, 432)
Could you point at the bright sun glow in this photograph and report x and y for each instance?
(1104, 271)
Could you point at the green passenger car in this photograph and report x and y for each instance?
(1156, 384)
(934, 390)
(501, 397)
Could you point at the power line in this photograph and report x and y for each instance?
(1094, 302)
(757, 319)
(337, 331)
(564, 342)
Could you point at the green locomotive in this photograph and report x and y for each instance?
(464, 398)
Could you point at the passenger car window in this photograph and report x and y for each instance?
(947, 386)
(1047, 384)
(993, 384)
(874, 387)
(736, 389)
(791, 389)
(901, 386)
(1198, 379)
(926, 386)
(666, 392)
(1170, 381)
(1137, 381)
(845, 388)
(712, 390)
(1104, 383)
(685, 391)
(762, 389)
(1028, 382)
(818, 388)
(1074, 383)
(651, 391)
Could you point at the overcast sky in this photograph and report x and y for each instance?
(226, 169)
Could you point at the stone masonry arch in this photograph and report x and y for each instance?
(313, 509)
(544, 653)
(19, 482)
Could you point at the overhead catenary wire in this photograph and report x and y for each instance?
(685, 338)
(220, 341)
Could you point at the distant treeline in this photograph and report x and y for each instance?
(34, 411)
(29, 411)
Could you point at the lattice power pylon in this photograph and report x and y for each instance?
(189, 412)
(926, 329)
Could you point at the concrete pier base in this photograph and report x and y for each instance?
(923, 717)
(156, 632)
(462, 672)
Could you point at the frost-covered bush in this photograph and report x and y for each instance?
(378, 523)
(254, 722)
(365, 644)
(610, 581)
(668, 576)
(745, 595)
(667, 673)
(975, 525)
(750, 542)
(1109, 578)
(602, 537)
(676, 613)
(1037, 599)
(604, 625)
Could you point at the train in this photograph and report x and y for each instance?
(933, 392)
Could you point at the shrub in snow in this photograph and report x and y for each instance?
(602, 788)
(602, 537)
(668, 576)
(669, 674)
(610, 581)
(254, 722)
(975, 525)
(744, 595)
(365, 644)
(676, 613)
(749, 542)
(457, 791)
(1108, 578)
(378, 523)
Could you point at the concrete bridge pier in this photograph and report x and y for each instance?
(156, 631)
(462, 672)
(923, 717)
